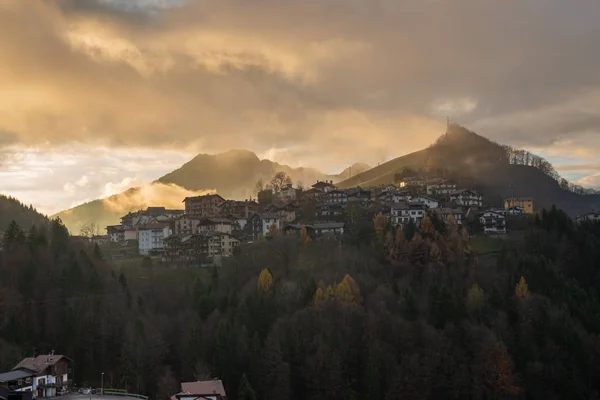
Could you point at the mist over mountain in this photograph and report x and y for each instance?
(232, 174)
(475, 161)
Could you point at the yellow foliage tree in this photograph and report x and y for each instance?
(329, 293)
(273, 230)
(522, 290)
(475, 298)
(435, 254)
(379, 224)
(319, 296)
(305, 239)
(347, 291)
(427, 227)
(265, 281)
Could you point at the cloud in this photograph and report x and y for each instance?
(210, 71)
(351, 80)
(154, 194)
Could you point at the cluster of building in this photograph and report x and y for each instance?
(45, 375)
(211, 226)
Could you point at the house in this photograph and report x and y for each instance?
(526, 203)
(219, 244)
(51, 373)
(286, 213)
(415, 181)
(288, 193)
(329, 211)
(100, 239)
(466, 198)
(325, 229)
(334, 196)
(426, 200)
(130, 234)
(20, 380)
(239, 208)
(186, 224)
(296, 229)
(216, 224)
(201, 390)
(445, 213)
(151, 238)
(260, 224)
(493, 222)
(206, 205)
(324, 186)
(441, 188)
(116, 233)
(403, 213)
(593, 216)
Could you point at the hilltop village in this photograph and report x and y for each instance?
(211, 227)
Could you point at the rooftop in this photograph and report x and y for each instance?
(203, 388)
(16, 375)
(39, 363)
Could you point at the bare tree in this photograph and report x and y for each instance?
(280, 181)
(90, 230)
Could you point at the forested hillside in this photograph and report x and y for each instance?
(12, 209)
(384, 315)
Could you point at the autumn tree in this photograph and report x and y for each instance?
(475, 299)
(274, 230)
(521, 289)
(265, 281)
(347, 291)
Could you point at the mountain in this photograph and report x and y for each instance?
(475, 161)
(26, 216)
(232, 174)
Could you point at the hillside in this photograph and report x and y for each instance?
(483, 164)
(12, 209)
(232, 174)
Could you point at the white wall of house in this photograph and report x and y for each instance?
(150, 239)
(266, 224)
(431, 203)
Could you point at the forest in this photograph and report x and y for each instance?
(384, 314)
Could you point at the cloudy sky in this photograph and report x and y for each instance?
(99, 95)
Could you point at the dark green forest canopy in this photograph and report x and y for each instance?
(383, 315)
(12, 209)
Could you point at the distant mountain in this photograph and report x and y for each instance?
(478, 162)
(232, 174)
(25, 216)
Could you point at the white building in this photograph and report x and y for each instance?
(593, 216)
(493, 222)
(446, 213)
(442, 188)
(466, 198)
(51, 374)
(288, 193)
(427, 201)
(116, 233)
(151, 238)
(403, 213)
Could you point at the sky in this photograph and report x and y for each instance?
(100, 95)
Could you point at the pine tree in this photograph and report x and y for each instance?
(245, 391)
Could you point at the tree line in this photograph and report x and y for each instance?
(385, 314)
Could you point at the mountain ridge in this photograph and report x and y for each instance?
(232, 174)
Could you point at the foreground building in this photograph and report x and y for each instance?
(201, 390)
(493, 222)
(50, 374)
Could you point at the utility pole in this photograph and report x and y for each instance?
(102, 384)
